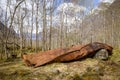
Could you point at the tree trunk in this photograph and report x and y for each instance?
(21, 37)
(31, 26)
(37, 44)
(44, 27)
(61, 30)
(50, 34)
(6, 52)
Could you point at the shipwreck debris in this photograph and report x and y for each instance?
(67, 54)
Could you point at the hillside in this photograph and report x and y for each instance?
(103, 25)
(8, 38)
(5, 31)
(42, 28)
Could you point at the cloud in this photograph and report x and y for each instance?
(107, 1)
(103, 5)
(66, 7)
(3, 4)
(72, 11)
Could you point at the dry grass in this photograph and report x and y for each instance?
(88, 69)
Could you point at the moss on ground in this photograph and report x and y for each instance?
(116, 55)
(88, 69)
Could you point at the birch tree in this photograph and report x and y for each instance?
(37, 43)
(31, 32)
(44, 27)
(10, 26)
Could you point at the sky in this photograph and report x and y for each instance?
(85, 3)
(88, 4)
(96, 2)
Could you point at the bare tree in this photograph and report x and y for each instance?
(37, 43)
(32, 25)
(10, 27)
(44, 27)
(51, 14)
(22, 37)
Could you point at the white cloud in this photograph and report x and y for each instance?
(107, 1)
(104, 4)
(3, 4)
(66, 7)
(73, 14)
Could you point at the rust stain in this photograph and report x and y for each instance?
(67, 54)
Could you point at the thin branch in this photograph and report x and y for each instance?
(15, 12)
(12, 18)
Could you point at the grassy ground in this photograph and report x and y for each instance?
(88, 69)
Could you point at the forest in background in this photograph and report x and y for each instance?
(41, 25)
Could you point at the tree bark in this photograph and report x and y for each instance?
(37, 44)
(44, 27)
(32, 26)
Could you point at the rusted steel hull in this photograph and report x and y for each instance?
(67, 54)
(38, 59)
(88, 50)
